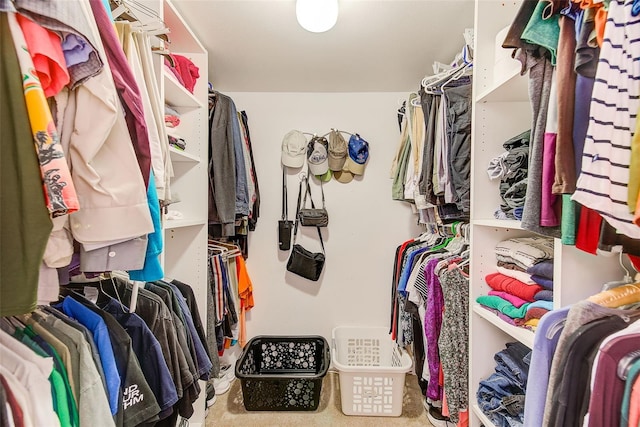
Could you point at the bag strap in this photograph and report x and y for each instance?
(285, 199)
(295, 227)
(308, 191)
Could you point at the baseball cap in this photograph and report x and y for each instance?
(344, 176)
(337, 150)
(326, 177)
(317, 155)
(294, 146)
(358, 154)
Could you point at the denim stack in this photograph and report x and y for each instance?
(501, 396)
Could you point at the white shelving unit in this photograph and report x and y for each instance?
(502, 110)
(185, 240)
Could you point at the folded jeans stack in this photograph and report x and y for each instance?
(501, 396)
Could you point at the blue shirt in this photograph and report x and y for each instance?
(98, 328)
(408, 267)
(544, 347)
(147, 349)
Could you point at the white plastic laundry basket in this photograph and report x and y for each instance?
(371, 368)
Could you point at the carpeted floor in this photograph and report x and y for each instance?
(229, 410)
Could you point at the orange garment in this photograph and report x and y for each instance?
(46, 52)
(245, 293)
(600, 17)
(601, 20)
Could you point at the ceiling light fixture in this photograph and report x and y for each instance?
(317, 16)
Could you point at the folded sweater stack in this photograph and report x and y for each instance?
(522, 288)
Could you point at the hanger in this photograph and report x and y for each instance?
(624, 365)
(614, 298)
(627, 276)
(123, 10)
(161, 50)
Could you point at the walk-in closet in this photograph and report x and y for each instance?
(319, 212)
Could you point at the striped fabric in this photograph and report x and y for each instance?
(216, 267)
(602, 185)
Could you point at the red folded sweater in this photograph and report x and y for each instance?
(500, 282)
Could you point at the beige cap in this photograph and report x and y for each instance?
(344, 176)
(337, 150)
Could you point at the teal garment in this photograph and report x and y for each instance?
(25, 339)
(543, 32)
(503, 306)
(152, 270)
(631, 379)
(568, 223)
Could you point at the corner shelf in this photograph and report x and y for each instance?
(511, 88)
(523, 335)
(178, 97)
(178, 155)
(483, 418)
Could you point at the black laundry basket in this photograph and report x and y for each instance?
(283, 373)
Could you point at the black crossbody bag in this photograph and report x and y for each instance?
(302, 262)
(284, 225)
(313, 217)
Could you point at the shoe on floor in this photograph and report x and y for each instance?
(435, 416)
(222, 385)
(211, 395)
(228, 372)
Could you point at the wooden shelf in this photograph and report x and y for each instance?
(178, 155)
(483, 418)
(177, 96)
(179, 223)
(500, 223)
(525, 336)
(512, 88)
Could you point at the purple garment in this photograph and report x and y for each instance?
(76, 50)
(542, 281)
(546, 295)
(543, 268)
(544, 347)
(549, 207)
(127, 87)
(516, 301)
(432, 326)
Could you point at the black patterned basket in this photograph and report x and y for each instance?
(281, 373)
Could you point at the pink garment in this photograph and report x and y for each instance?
(550, 203)
(46, 52)
(173, 71)
(171, 121)
(187, 70)
(516, 301)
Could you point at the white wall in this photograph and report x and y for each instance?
(365, 225)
